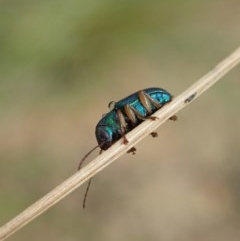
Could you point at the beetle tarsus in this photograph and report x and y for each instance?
(132, 150)
(154, 134)
(125, 140)
(153, 118)
(173, 118)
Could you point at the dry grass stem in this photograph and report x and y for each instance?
(119, 149)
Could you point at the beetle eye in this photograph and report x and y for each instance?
(111, 105)
(104, 136)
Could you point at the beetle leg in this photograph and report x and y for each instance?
(132, 150)
(154, 134)
(132, 113)
(174, 118)
(123, 126)
(146, 100)
(111, 105)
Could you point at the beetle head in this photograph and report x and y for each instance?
(104, 137)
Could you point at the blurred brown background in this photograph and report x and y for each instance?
(61, 62)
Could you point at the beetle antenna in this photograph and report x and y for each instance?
(86, 193)
(90, 180)
(85, 157)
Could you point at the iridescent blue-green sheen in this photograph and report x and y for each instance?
(159, 95)
(108, 129)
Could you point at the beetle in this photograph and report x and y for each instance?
(124, 116)
(128, 113)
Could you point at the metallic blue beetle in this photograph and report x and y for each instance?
(129, 112)
(124, 116)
